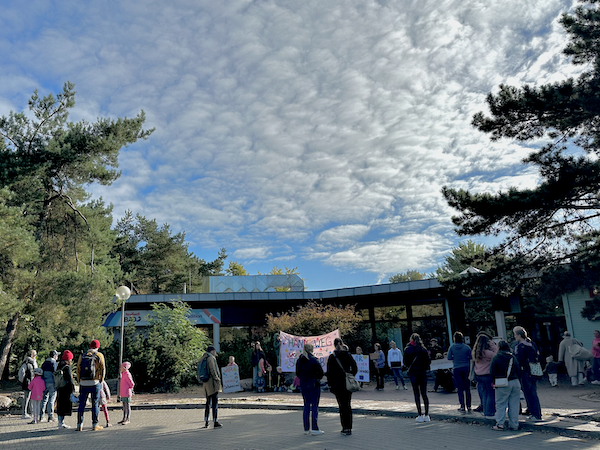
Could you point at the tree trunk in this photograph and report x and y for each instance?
(11, 328)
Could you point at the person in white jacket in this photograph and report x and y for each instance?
(395, 362)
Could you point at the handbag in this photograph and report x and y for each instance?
(579, 353)
(351, 383)
(503, 382)
(536, 369)
(472, 371)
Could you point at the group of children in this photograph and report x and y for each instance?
(37, 386)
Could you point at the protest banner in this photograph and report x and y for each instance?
(291, 348)
(230, 376)
(362, 363)
(437, 364)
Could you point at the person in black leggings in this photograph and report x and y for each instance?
(416, 358)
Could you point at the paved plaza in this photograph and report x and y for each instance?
(264, 429)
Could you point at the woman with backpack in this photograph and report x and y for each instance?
(64, 406)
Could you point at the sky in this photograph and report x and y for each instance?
(311, 134)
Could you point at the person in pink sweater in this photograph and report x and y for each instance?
(126, 391)
(37, 386)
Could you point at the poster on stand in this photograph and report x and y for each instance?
(230, 376)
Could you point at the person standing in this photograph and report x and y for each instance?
(436, 352)
(596, 355)
(30, 365)
(505, 365)
(310, 372)
(257, 355)
(575, 367)
(395, 363)
(483, 352)
(64, 406)
(49, 367)
(416, 358)
(125, 392)
(527, 352)
(460, 355)
(37, 387)
(91, 369)
(339, 363)
(212, 386)
(379, 365)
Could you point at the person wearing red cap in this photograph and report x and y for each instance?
(64, 406)
(90, 374)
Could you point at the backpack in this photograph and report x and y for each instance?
(87, 369)
(203, 374)
(21, 373)
(59, 378)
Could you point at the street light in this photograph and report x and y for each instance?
(123, 293)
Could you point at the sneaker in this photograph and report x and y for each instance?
(108, 424)
(426, 419)
(63, 425)
(52, 419)
(97, 428)
(25, 416)
(420, 419)
(307, 432)
(470, 410)
(397, 387)
(346, 432)
(32, 422)
(217, 425)
(125, 422)
(405, 388)
(462, 409)
(78, 427)
(205, 424)
(594, 382)
(317, 432)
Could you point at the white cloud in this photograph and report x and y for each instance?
(315, 124)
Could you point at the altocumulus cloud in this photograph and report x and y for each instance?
(311, 130)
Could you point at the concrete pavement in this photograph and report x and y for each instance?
(266, 429)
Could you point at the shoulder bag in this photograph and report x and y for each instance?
(351, 383)
(503, 382)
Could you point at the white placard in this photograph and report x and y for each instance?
(230, 376)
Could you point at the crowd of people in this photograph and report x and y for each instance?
(501, 371)
(50, 389)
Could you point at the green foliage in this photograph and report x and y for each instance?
(173, 347)
(409, 275)
(156, 261)
(554, 223)
(467, 254)
(235, 269)
(313, 319)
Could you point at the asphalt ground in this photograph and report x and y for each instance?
(383, 419)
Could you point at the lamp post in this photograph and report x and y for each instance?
(123, 293)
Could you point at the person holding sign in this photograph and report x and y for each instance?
(378, 358)
(310, 372)
(340, 363)
(395, 362)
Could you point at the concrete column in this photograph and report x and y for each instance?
(501, 325)
(216, 337)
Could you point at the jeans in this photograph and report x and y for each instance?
(529, 387)
(212, 401)
(508, 396)
(254, 375)
(397, 373)
(344, 400)
(84, 391)
(311, 396)
(463, 386)
(48, 401)
(486, 394)
(596, 368)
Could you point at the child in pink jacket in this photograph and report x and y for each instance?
(37, 386)
(126, 391)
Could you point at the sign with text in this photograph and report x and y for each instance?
(291, 348)
(230, 376)
(362, 363)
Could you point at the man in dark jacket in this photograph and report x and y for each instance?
(339, 363)
(30, 366)
(49, 367)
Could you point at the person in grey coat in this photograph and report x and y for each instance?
(574, 366)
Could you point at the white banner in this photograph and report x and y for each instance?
(362, 363)
(291, 348)
(230, 376)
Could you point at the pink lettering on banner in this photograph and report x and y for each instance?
(292, 346)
